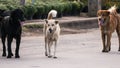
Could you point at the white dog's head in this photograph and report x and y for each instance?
(51, 26)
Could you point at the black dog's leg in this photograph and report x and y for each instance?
(4, 47)
(18, 40)
(9, 39)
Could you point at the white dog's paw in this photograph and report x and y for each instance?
(55, 57)
(49, 56)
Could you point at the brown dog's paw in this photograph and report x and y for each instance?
(109, 49)
(105, 51)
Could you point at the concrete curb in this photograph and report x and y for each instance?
(79, 23)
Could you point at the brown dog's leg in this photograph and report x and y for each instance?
(103, 41)
(119, 42)
(108, 47)
(118, 33)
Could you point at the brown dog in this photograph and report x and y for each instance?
(108, 21)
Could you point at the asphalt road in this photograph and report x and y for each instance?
(73, 51)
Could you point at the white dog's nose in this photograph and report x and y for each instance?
(50, 30)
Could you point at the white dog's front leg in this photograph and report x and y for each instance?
(55, 46)
(46, 48)
(49, 50)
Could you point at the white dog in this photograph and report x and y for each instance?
(51, 31)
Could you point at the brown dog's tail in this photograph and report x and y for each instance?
(112, 10)
(52, 14)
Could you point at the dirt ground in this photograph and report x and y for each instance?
(77, 48)
(73, 51)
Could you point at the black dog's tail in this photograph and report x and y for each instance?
(52, 14)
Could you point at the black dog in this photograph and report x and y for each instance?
(11, 27)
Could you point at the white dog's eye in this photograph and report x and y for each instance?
(48, 24)
(52, 24)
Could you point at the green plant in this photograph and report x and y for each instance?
(59, 8)
(40, 12)
(40, 8)
(67, 7)
(47, 8)
(3, 7)
(29, 11)
(76, 7)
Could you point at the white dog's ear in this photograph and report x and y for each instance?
(46, 20)
(56, 22)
